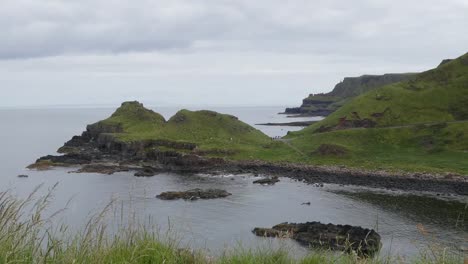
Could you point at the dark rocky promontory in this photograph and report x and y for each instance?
(324, 104)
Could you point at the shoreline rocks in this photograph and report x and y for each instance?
(190, 163)
(147, 157)
(267, 180)
(194, 194)
(363, 241)
(102, 169)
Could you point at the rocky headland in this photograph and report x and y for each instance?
(323, 104)
(106, 147)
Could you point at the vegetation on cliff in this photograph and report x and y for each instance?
(437, 95)
(416, 125)
(210, 133)
(350, 87)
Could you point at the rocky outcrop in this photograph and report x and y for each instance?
(299, 124)
(268, 180)
(365, 242)
(194, 194)
(102, 168)
(146, 172)
(324, 104)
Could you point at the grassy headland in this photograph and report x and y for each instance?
(416, 125)
(326, 103)
(215, 134)
(437, 95)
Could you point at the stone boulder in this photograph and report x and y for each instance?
(194, 194)
(363, 241)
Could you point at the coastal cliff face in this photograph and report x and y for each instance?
(326, 103)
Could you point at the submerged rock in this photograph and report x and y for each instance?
(363, 241)
(194, 194)
(268, 180)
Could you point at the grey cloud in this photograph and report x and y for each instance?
(214, 51)
(32, 28)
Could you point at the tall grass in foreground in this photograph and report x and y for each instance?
(26, 236)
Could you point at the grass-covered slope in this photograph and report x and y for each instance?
(431, 148)
(416, 125)
(440, 94)
(210, 131)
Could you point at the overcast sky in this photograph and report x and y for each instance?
(214, 52)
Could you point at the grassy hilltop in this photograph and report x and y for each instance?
(416, 125)
(213, 133)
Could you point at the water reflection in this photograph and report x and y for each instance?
(436, 219)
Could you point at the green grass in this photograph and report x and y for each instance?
(207, 129)
(432, 148)
(437, 95)
(420, 127)
(26, 236)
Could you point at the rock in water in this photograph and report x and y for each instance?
(269, 181)
(363, 241)
(102, 168)
(145, 172)
(194, 194)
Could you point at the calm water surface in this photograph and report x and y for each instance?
(217, 224)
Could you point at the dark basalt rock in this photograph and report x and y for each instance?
(68, 159)
(102, 168)
(145, 172)
(194, 194)
(269, 180)
(363, 241)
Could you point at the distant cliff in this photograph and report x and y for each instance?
(325, 103)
